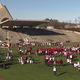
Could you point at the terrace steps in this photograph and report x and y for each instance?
(15, 36)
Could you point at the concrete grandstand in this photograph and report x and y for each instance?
(32, 34)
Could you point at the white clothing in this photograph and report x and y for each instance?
(71, 56)
(31, 61)
(68, 60)
(54, 68)
(28, 61)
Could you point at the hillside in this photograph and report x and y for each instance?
(39, 35)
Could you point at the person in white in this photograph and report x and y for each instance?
(31, 61)
(21, 60)
(54, 70)
(68, 60)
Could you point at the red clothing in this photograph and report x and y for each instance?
(68, 54)
(58, 61)
(62, 53)
(48, 62)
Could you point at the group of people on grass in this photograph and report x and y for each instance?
(25, 56)
(51, 56)
(9, 54)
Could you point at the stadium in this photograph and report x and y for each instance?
(28, 51)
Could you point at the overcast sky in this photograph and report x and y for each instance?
(64, 10)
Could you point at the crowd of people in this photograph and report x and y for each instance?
(51, 56)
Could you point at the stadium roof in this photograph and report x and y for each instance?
(7, 20)
(22, 23)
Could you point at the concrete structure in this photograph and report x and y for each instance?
(7, 20)
(4, 13)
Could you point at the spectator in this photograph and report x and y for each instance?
(54, 70)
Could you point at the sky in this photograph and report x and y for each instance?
(63, 10)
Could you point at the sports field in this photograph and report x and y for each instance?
(37, 71)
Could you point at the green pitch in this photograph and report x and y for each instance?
(38, 71)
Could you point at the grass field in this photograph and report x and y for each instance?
(38, 71)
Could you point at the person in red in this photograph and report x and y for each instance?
(62, 53)
(68, 55)
(48, 63)
(58, 61)
(48, 51)
(46, 58)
